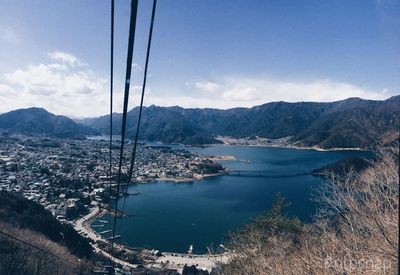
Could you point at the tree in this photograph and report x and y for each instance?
(354, 232)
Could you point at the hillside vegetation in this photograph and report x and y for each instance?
(19, 258)
(355, 231)
(25, 214)
(38, 121)
(349, 123)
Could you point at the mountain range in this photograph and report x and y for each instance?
(38, 121)
(350, 123)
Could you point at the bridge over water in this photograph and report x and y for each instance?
(265, 173)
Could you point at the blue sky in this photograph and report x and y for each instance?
(206, 53)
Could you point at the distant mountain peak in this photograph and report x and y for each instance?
(353, 122)
(38, 121)
(33, 109)
(345, 123)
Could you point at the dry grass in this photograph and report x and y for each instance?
(19, 258)
(355, 231)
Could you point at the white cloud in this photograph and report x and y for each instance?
(5, 90)
(241, 94)
(48, 80)
(239, 91)
(207, 86)
(66, 58)
(62, 88)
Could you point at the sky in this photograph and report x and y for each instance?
(205, 53)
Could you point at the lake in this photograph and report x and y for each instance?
(171, 216)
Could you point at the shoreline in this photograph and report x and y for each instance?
(224, 143)
(316, 148)
(165, 260)
(171, 259)
(196, 177)
(284, 142)
(222, 157)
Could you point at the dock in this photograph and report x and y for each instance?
(116, 237)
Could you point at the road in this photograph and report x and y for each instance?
(168, 260)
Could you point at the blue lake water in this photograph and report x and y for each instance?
(171, 216)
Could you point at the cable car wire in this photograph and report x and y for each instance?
(111, 91)
(36, 247)
(153, 12)
(131, 40)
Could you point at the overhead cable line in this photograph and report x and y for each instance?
(131, 40)
(37, 248)
(111, 90)
(141, 100)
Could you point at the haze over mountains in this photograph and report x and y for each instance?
(348, 123)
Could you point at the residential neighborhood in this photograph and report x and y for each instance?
(68, 177)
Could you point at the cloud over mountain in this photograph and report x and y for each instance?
(65, 84)
(231, 91)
